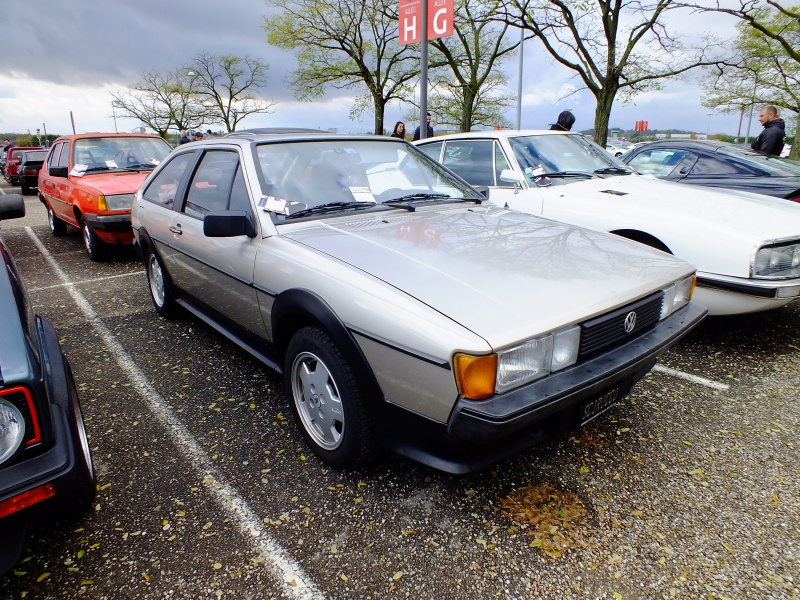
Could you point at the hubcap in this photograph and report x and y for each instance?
(318, 401)
(87, 238)
(156, 280)
(51, 218)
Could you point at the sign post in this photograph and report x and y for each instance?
(437, 17)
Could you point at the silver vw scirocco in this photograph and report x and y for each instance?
(403, 312)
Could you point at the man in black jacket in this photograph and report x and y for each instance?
(770, 140)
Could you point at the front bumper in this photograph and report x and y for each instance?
(117, 223)
(759, 288)
(482, 433)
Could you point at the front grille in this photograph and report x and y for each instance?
(609, 329)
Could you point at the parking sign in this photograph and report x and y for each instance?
(440, 20)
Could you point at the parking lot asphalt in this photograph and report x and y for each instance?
(689, 488)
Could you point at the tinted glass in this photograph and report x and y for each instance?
(164, 186)
(38, 155)
(471, 159)
(63, 159)
(308, 174)
(658, 162)
(53, 159)
(211, 185)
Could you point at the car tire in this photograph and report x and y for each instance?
(82, 488)
(57, 226)
(157, 283)
(25, 190)
(95, 247)
(327, 400)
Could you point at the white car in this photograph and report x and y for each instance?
(617, 148)
(746, 247)
(786, 149)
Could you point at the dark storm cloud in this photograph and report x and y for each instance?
(96, 42)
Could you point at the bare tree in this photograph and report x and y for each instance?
(345, 44)
(473, 54)
(615, 47)
(161, 100)
(229, 87)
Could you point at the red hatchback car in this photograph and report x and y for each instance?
(88, 181)
(12, 162)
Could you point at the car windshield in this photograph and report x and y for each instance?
(571, 154)
(32, 156)
(777, 167)
(118, 153)
(313, 177)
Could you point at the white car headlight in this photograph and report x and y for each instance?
(777, 262)
(536, 358)
(677, 295)
(12, 429)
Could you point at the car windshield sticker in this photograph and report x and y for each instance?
(534, 171)
(154, 161)
(111, 164)
(362, 194)
(78, 170)
(280, 206)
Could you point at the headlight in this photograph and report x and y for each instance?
(12, 430)
(482, 376)
(116, 202)
(677, 296)
(777, 262)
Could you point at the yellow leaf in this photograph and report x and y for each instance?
(344, 577)
(42, 577)
(217, 566)
(87, 582)
(617, 596)
(687, 442)
(583, 470)
(398, 575)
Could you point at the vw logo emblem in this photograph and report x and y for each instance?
(630, 321)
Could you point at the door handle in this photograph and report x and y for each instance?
(175, 230)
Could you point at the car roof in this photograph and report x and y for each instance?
(100, 134)
(243, 138)
(502, 133)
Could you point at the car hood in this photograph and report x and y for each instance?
(502, 274)
(112, 183)
(751, 217)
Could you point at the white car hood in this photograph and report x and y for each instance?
(716, 230)
(501, 274)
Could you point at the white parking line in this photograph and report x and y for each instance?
(714, 385)
(294, 581)
(74, 283)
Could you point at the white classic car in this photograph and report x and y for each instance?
(402, 311)
(746, 247)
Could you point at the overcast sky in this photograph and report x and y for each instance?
(70, 55)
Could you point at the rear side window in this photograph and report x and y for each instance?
(473, 160)
(52, 160)
(164, 186)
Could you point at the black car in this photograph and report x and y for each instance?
(46, 469)
(717, 164)
(30, 163)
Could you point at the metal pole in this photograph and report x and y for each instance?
(423, 74)
(750, 119)
(519, 82)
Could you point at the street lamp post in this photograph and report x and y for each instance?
(708, 128)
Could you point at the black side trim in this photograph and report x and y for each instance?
(407, 351)
(750, 290)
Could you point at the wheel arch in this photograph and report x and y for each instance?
(298, 308)
(643, 238)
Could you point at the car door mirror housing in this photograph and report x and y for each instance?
(58, 171)
(12, 206)
(510, 176)
(228, 223)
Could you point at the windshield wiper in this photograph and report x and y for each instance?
(564, 175)
(612, 171)
(329, 207)
(417, 196)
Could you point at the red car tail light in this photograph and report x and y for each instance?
(26, 499)
(21, 398)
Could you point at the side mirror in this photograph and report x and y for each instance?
(58, 171)
(12, 206)
(510, 176)
(228, 223)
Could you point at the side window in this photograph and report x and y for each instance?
(473, 160)
(63, 159)
(711, 166)
(660, 162)
(164, 186)
(52, 160)
(500, 163)
(211, 185)
(434, 150)
(240, 199)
